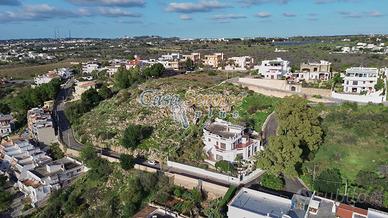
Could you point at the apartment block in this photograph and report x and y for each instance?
(40, 126)
(360, 79)
(214, 60)
(274, 69)
(315, 71)
(6, 124)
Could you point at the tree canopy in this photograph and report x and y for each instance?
(299, 135)
(134, 134)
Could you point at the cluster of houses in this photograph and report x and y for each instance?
(250, 203)
(60, 73)
(362, 47)
(12, 54)
(36, 174)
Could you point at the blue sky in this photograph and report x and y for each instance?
(191, 18)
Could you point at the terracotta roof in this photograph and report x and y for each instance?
(144, 212)
(346, 211)
(243, 145)
(31, 182)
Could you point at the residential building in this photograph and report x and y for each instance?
(315, 71)
(240, 63)
(6, 124)
(81, 87)
(172, 65)
(46, 78)
(214, 60)
(64, 73)
(360, 79)
(170, 57)
(39, 182)
(249, 203)
(225, 141)
(40, 126)
(88, 68)
(20, 156)
(195, 57)
(274, 69)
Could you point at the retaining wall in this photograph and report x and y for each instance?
(358, 98)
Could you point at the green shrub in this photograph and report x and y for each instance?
(225, 166)
(272, 181)
(127, 161)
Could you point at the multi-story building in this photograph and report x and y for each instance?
(170, 57)
(240, 63)
(274, 69)
(6, 124)
(214, 60)
(360, 79)
(195, 57)
(314, 71)
(40, 126)
(39, 182)
(249, 203)
(88, 68)
(225, 141)
(64, 73)
(20, 156)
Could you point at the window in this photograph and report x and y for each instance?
(218, 157)
(223, 145)
(355, 83)
(209, 139)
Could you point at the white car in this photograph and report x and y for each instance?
(152, 162)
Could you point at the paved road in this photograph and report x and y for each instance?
(63, 125)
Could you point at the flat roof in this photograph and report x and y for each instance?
(261, 203)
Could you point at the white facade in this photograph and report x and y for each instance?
(64, 73)
(21, 156)
(45, 78)
(41, 126)
(6, 124)
(213, 60)
(90, 67)
(224, 141)
(170, 57)
(38, 183)
(360, 79)
(274, 69)
(240, 63)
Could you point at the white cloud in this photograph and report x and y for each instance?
(287, 14)
(117, 3)
(201, 6)
(185, 17)
(224, 17)
(263, 14)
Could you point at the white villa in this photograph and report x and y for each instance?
(314, 71)
(360, 79)
(274, 69)
(90, 67)
(225, 141)
(240, 63)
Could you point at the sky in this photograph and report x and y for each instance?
(191, 18)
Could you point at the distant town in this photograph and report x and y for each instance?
(293, 127)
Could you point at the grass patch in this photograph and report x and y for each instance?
(356, 139)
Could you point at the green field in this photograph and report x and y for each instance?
(356, 139)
